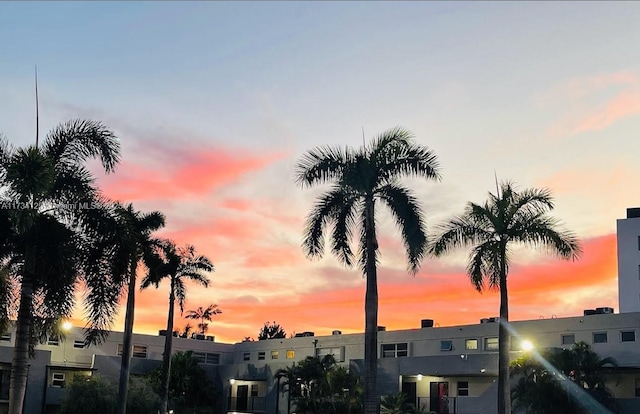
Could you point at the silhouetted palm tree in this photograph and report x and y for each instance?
(204, 314)
(360, 178)
(50, 210)
(507, 218)
(178, 265)
(132, 242)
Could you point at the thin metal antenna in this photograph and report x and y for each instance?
(37, 110)
(497, 187)
(363, 140)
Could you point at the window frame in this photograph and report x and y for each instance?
(446, 345)
(599, 334)
(464, 389)
(630, 331)
(246, 356)
(262, 355)
(290, 354)
(78, 344)
(491, 343)
(469, 341)
(275, 355)
(394, 350)
(566, 336)
(59, 382)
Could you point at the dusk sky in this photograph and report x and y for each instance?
(214, 102)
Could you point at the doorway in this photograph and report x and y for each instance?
(439, 397)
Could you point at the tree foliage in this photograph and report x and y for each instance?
(271, 331)
(320, 386)
(190, 390)
(508, 218)
(362, 179)
(203, 314)
(568, 381)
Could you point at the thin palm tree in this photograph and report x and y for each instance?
(133, 245)
(178, 265)
(203, 314)
(50, 209)
(359, 179)
(507, 218)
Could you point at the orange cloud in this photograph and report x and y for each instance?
(183, 172)
(594, 103)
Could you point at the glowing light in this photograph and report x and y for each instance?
(419, 377)
(526, 345)
(232, 381)
(66, 326)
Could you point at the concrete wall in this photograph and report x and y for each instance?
(628, 231)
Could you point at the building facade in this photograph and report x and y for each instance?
(628, 238)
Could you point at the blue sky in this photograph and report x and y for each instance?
(546, 94)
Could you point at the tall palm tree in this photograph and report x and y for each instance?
(178, 265)
(50, 210)
(204, 314)
(133, 245)
(507, 218)
(360, 178)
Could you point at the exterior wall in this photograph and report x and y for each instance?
(628, 231)
(436, 354)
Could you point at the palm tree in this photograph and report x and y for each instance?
(50, 212)
(509, 217)
(132, 244)
(178, 265)
(204, 314)
(360, 178)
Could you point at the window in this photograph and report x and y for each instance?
(6, 337)
(491, 344)
(57, 380)
(471, 344)
(599, 337)
(446, 345)
(336, 351)
(291, 354)
(274, 354)
(254, 390)
(568, 339)
(628, 336)
(246, 356)
(637, 387)
(139, 351)
(395, 350)
(207, 358)
(53, 341)
(261, 356)
(638, 242)
(463, 388)
(78, 344)
(212, 359)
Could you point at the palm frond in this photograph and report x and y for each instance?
(408, 217)
(321, 165)
(77, 141)
(545, 232)
(344, 223)
(461, 231)
(323, 212)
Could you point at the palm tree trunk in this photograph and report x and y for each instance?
(166, 356)
(504, 389)
(20, 361)
(125, 364)
(371, 403)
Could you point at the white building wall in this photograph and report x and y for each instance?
(628, 231)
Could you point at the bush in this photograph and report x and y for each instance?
(90, 395)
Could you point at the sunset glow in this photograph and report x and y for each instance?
(214, 102)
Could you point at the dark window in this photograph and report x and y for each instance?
(568, 339)
(212, 359)
(395, 350)
(599, 337)
(6, 337)
(628, 336)
(261, 356)
(463, 388)
(246, 356)
(53, 341)
(254, 390)
(446, 345)
(78, 344)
